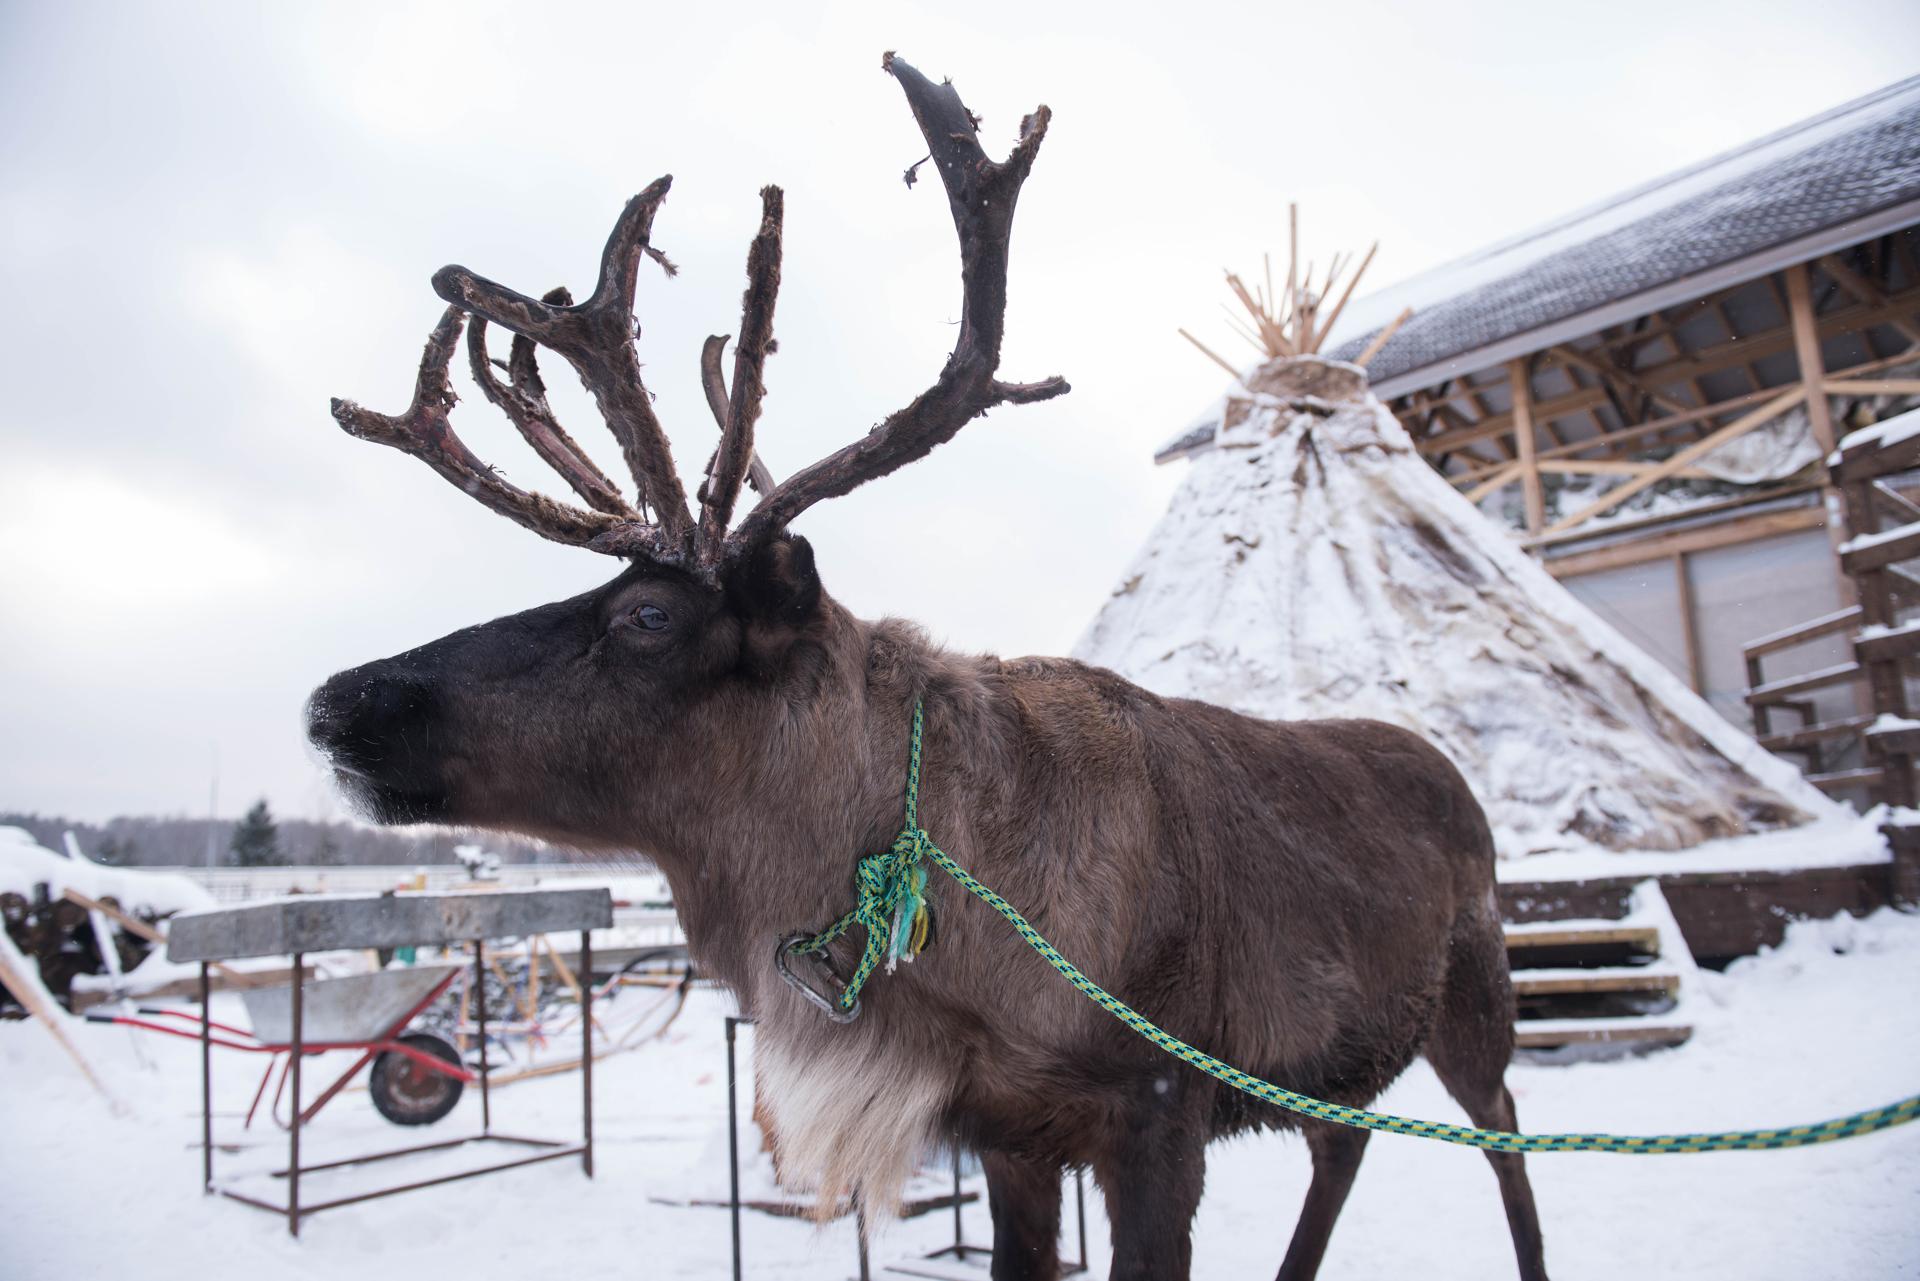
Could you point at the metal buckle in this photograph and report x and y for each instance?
(829, 1006)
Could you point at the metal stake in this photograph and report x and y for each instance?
(480, 1008)
(586, 1047)
(733, 1147)
(1080, 1207)
(959, 1248)
(206, 1081)
(293, 1143)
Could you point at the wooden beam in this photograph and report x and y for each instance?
(1723, 356)
(1610, 467)
(1866, 291)
(1873, 386)
(1699, 449)
(1501, 478)
(1689, 627)
(1806, 347)
(1574, 356)
(1521, 390)
(1699, 538)
(1380, 340)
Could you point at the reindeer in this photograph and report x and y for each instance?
(1312, 901)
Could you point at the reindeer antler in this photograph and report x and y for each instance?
(981, 194)
(596, 338)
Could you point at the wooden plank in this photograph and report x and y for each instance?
(1902, 506)
(1520, 388)
(1610, 467)
(1887, 646)
(1841, 620)
(1808, 736)
(1641, 938)
(1699, 449)
(1874, 387)
(1895, 742)
(1846, 780)
(1902, 544)
(1781, 690)
(1562, 1032)
(1700, 538)
(1868, 461)
(1605, 979)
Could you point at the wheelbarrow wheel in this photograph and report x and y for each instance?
(408, 1093)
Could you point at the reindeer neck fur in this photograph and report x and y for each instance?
(772, 817)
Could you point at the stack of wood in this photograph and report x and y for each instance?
(60, 935)
(1290, 322)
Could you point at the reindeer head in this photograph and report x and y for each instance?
(552, 720)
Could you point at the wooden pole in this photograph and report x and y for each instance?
(1326, 326)
(25, 985)
(1813, 378)
(1383, 337)
(1521, 391)
(1689, 627)
(1209, 353)
(1806, 348)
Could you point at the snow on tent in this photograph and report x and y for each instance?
(1313, 565)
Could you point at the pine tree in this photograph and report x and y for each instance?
(256, 840)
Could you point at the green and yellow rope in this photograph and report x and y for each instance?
(892, 907)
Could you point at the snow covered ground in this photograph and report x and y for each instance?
(1821, 1026)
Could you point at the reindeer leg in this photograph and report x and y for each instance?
(1471, 1044)
(1152, 1176)
(1024, 1197)
(1337, 1150)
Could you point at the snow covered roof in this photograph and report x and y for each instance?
(1817, 186)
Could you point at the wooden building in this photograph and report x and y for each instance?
(1648, 391)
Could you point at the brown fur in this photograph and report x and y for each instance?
(1310, 901)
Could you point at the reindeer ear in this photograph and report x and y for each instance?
(777, 582)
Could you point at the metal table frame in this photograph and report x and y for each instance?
(293, 1210)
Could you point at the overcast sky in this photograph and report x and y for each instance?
(213, 217)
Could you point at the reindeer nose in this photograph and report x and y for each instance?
(358, 715)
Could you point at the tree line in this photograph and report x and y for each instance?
(259, 839)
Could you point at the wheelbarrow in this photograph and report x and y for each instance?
(416, 1079)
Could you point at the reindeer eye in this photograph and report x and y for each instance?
(649, 617)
